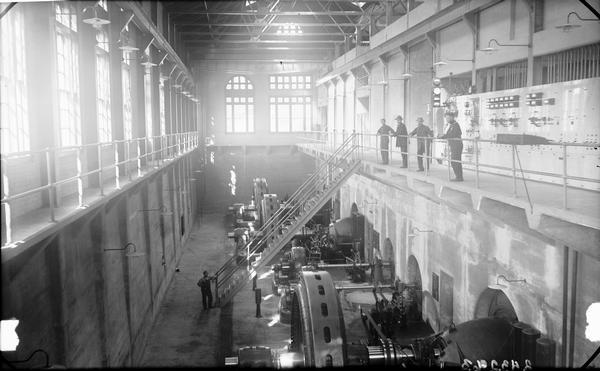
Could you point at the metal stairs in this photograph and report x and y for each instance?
(278, 230)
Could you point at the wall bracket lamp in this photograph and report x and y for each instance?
(147, 61)
(499, 286)
(443, 62)
(416, 230)
(163, 210)
(95, 16)
(569, 26)
(130, 253)
(491, 49)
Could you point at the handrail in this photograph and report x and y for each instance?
(291, 209)
(232, 269)
(267, 231)
(155, 151)
(367, 143)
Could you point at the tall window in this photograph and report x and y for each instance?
(287, 82)
(67, 70)
(239, 105)
(14, 119)
(148, 97)
(161, 105)
(290, 114)
(103, 87)
(126, 90)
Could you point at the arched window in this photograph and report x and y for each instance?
(239, 105)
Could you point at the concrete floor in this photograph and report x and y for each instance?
(186, 336)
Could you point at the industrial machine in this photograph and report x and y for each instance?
(565, 112)
(318, 338)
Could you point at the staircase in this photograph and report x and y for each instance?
(291, 217)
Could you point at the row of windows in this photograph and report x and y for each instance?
(13, 84)
(294, 82)
(287, 114)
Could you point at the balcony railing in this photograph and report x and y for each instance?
(148, 153)
(508, 165)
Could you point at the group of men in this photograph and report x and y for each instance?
(452, 134)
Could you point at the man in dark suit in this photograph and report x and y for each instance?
(402, 140)
(453, 134)
(422, 131)
(384, 133)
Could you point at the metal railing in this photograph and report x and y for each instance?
(294, 206)
(369, 146)
(150, 153)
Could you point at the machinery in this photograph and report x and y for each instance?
(318, 338)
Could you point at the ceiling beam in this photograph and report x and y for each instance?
(302, 35)
(248, 50)
(257, 13)
(260, 24)
(245, 42)
(439, 20)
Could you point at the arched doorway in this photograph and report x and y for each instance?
(413, 280)
(494, 303)
(354, 209)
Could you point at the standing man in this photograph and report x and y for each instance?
(402, 140)
(453, 134)
(204, 284)
(422, 132)
(384, 133)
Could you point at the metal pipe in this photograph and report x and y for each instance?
(564, 177)
(573, 309)
(51, 189)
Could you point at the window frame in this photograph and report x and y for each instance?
(239, 105)
(16, 131)
(103, 108)
(286, 105)
(71, 89)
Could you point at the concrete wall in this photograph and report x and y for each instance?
(93, 308)
(469, 250)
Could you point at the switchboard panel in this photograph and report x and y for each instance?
(566, 112)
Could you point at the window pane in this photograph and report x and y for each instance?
(229, 118)
(283, 117)
(297, 117)
(239, 118)
(14, 118)
(273, 117)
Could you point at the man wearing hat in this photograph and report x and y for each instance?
(402, 140)
(384, 133)
(422, 132)
(453, 134)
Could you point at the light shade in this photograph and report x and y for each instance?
(406, 75)
(496, 286)
(440, 63)
(147, 62)
(126, 44)
(489, 49)
(568, 26)
(95, 16)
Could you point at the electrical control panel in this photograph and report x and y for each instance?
(566, 112)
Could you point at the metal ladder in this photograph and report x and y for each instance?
(281, 227)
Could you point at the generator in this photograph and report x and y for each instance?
(318, 338)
